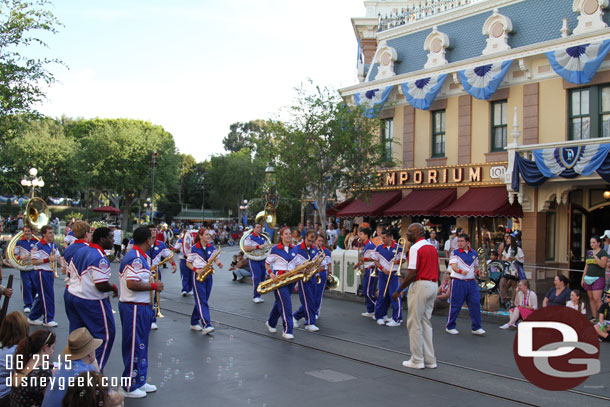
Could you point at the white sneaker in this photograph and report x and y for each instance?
(51, 324)
(393, 323)
(196, 328)
(257, 300)
(26, 310)
(368, 314)
(184, 293)
(270, 328)
(452, 331)
(387, 319)
(505, 326)
(380, 322)
(207, 330)
(136, 394)
(431, 365)
(410, 364)
(35, 322)
(295, 322)
(149, 388)
(479, 332)
(311, 328)
(154, 326)
(287, 336)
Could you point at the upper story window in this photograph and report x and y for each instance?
(499, 125)
(589, 112)
(387, 137)
(438, 133)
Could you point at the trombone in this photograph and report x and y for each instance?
(401, 242)
(155, 296)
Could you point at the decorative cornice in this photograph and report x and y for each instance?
(514, 54)
(445, 17)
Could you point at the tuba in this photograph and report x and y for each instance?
(36, 216)
(263, 217)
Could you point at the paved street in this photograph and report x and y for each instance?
(350, 362)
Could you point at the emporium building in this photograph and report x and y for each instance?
(498, 113)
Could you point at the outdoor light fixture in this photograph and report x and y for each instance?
(607, 193)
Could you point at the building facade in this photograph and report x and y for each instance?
(498, 112)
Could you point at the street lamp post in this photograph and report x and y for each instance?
(32, 181)
(202, 199)
(155, 155)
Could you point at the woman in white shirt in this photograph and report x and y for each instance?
(526, 303)
(575, 303)
(512, 254)
(432, 240)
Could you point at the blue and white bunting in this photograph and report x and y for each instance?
(569, 161)
(372, 100)
(580, 63)
(421, 93)
(481, 82)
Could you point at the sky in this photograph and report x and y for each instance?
(195, 67)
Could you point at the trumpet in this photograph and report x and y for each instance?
(401, 245)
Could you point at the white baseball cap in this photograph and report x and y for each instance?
(606, 234)
(453, 230)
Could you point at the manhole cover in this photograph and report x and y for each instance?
(331, 375)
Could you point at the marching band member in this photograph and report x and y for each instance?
(256, 241)
(45, 256)
(69, 239)
(23, 250)
(278, 262)
(136, 312)
(183, 248)
(81, 231)
(325, 271)
(200, 254)
(369, 283)
(88, 292)
(464, 288)
(302, 253)
(157, 252)
(386, 254)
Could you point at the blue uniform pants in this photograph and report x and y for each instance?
(383, 302)
(185, 276)
(257, 269)
(44, 306)
(201, 311)
(282, 308)
(135, 321)
(464, 291)
(28, 287)
(154, 319)
(96, 316)
(319, 291)
(307, 308)
(369, 289)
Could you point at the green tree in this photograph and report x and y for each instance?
(44, 146)
(325, 147)
(232, 178)
(116, 159)
(22, 77)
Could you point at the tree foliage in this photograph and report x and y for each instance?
(22, 76)
(325, 147)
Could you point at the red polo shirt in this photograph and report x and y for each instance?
(423, 258)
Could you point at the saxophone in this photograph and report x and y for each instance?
(208, 269)
(314, 268)
(294, 275)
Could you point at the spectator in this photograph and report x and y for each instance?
(603, 326)
(117, 235)
(341, 239)
(443, 293)
(35, 351)
(352, 240)
(559, 294)
(514, 255)
(449, 246)
(14, 328)
(332, 235)
(301, 231)
(606, 238)
(377, 238)
(594, 274)
(576, 303)
(81, 352)
(96, 395)
(526, 303)
(432, 239)
(240, 269)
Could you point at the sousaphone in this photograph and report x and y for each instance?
(36, 216)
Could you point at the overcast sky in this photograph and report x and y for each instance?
(195, 67)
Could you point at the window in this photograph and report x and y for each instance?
(438, 133)
(589, 112)
(499, 125)
(387, 137)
